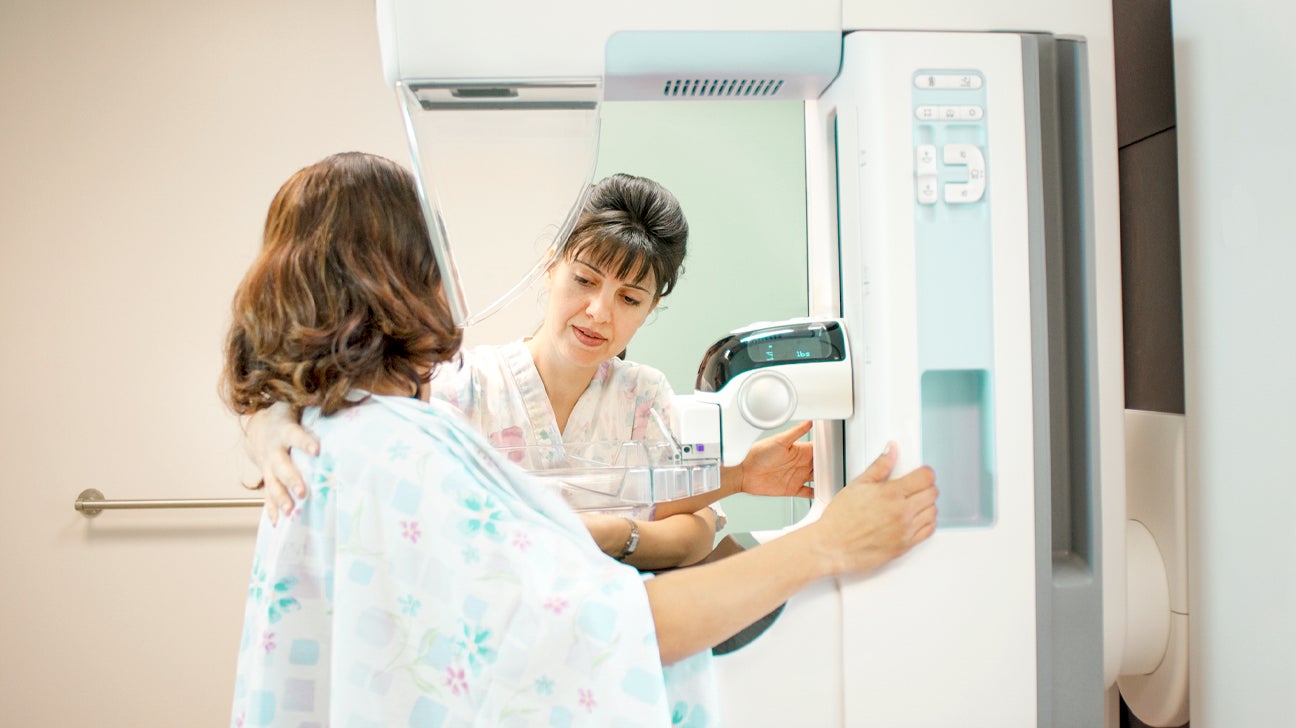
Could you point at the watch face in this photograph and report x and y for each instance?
(632, 542)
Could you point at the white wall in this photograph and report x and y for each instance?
(1234, 82)
(141, 143)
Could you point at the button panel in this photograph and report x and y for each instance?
(965, 155)
(945, 80)
(925, 169)
(948, 113)
(950, 157)
(953, 265)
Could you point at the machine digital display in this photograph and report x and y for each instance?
(778, 344)
(789, 349)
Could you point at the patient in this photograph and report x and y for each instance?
(429, 580)
(566, 385)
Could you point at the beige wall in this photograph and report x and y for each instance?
(140, 144)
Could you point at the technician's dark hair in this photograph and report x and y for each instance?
(344, 294)
(632, 226)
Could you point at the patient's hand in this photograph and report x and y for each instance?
(270, 434)
(778, 465)
(874, 520)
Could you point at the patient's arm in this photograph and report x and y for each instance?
(678, 540)
(868, 523)
(268, 436)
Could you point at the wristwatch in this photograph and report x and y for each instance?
(632, 541)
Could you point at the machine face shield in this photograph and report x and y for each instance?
(503, 171)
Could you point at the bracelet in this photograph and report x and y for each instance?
(632, 541)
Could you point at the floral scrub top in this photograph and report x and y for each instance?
(500, 391)
(427, 581)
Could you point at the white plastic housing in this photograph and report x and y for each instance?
(757, 401)
(957, 612)
(1154, 665)
(696, 426)
(512, 39)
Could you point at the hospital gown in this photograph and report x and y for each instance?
(426, 581)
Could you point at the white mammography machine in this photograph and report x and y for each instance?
(961, 227)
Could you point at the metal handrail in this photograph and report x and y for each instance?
(91, 503)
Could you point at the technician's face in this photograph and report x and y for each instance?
(593, 315)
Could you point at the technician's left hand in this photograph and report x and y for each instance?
(778, 465)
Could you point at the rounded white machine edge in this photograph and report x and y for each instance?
(1155, 661)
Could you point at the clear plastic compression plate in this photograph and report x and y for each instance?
(625, 478)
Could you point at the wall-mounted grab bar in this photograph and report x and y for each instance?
(91, 502)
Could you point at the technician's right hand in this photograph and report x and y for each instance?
(270, 434)
(874, 520)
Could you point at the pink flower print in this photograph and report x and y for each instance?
(587, 699)
(410, 530)
(238, 722)
(456, 681)
(556, 604)
(521, 541)
(642, 414)
(509, 437)
(267, 641)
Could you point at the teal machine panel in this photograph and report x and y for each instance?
(955, 289)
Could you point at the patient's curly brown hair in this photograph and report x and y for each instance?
(344, 294)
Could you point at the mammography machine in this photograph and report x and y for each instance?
(961, 227)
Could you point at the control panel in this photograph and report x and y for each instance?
(949, 133)
(953, 256)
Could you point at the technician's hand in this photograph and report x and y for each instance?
(270, 434)
(777, 465)
(874, 520)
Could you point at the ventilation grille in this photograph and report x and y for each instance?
(718, 87)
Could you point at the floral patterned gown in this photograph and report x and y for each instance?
(426, 581)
